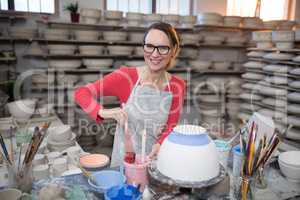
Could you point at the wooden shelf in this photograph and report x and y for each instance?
(294, 50)
(225, 28)
(78, 56)
(274, 61)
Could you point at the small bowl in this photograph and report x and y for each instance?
(291, 158)
(290, 172)
(61, 133)
(107, 179)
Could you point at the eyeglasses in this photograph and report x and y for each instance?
(162, 50)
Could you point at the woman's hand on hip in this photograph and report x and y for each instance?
(118, 114)
(154, 151)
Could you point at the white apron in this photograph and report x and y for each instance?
(147, 108)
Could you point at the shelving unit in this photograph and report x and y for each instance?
(290, 142)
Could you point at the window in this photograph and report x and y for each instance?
(35, 6)
(279, 8)
(142, 6)
(180, 7)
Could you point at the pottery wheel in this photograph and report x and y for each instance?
(159, 177)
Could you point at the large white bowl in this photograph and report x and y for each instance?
(134, 16)
(87, 35)
(91, 49)
(90, 12)
(60, 133)
(97, 63)
(56, 34)
(64, 64)
(113, 14)
(291, 158)
(120, 50)
(182, 155)
(292, 173)
(22, 109)
(114, 36)
(136, 37)
(61, 49)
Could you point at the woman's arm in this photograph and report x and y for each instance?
(117, 83)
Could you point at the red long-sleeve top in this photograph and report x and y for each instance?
(120, 84)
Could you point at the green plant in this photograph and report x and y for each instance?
(72, 7)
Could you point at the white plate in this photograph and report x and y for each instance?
(295, 71)
(293, 133)
(249, 96)
(279, 56)
(254, 65)
(294, 108)
(266, 90)
(295, 121)
(256, 54)
(277, 80)
(252, 107)
(277, 68)
(295, 84)
(274, 102)
(294, 96)
(253, 76)
(274, 114)
(250, 86)
(296, 59)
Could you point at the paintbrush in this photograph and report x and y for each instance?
(29, 148)
(5, 152)
(11, 146)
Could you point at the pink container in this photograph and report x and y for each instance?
(136, 173)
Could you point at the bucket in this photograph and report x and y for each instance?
(107, 179)
(136, 173)
(126, 192)
(223, 151)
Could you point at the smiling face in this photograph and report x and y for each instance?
(155, 61)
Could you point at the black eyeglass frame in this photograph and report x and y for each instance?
(158, 49)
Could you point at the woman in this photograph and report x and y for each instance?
(152, 97)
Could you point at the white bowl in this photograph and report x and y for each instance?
(61, 49)
(190, 38)
(232, 21)
(60, 133)
(134, 16)
(200, 64)
(171, 18)
(136, 37)
(89, 20)
(97, 63)
(91, 49)
(291, 173)
(188, 19)
(283, 36)
(56, 34)
(90, 12)
(224, 65)
(22, 109)
(139, 51)
(284, 45)
(87, 35)
(291, 158)
(88, 78)
(264, 45)
(113, 14)
(64, 64)
(262, 36)
(120, 50)
(190, 53)
(114, 36)
(135, 63)
(181, 155)
(46, 110)
(152, 17)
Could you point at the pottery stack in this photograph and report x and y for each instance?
(271, 84)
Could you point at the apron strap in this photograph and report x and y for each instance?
(166, 77)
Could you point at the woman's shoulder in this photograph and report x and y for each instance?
(177, 80)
